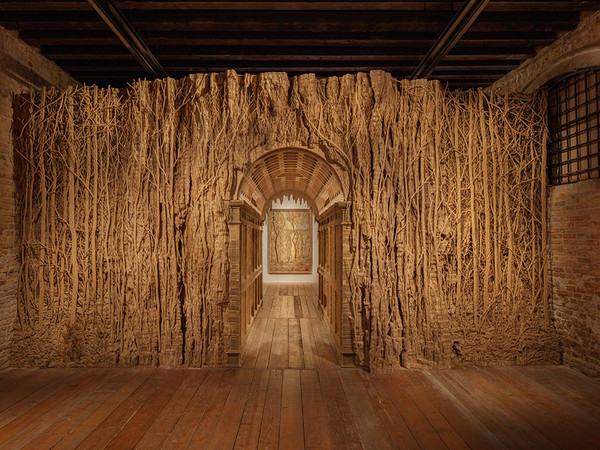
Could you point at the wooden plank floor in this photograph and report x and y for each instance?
(289, 331)
(290, 394)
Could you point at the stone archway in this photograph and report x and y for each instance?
(305, 174)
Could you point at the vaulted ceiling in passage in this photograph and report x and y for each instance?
(325, 38)
(291, 171)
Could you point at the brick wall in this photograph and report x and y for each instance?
(21, 68)
(574, 213)
(573, 209)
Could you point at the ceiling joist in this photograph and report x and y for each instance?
(327, 38)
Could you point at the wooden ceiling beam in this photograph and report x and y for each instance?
(468, 76)
(543, 5)
(540, 5)
(489, 57)
(74, 64)
(404, 71)
(174, 42)
(237, 6)
(250, 69)
(112, 59)
(100, 60)
(464, 61)
(119, 24)
(269, 53)
(433, 22)
(407, 65)
(326, 38)
(565, 23)
(266, 17)
(478, 65)
(183, 71)
(122, 80)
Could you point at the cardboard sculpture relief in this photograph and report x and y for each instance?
(124, 235)
(290, 241)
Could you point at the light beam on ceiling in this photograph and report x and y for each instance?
(459, 24)
(119, 24)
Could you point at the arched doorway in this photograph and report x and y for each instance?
(307, 175)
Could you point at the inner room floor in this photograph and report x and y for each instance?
(289, 331)
(291, 394)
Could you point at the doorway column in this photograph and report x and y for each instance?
(334, 269)
(245, 275)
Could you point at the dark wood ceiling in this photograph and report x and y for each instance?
(326, 38)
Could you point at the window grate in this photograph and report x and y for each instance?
(573, 121)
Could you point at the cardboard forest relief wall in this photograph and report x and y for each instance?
(290, 241)
(124, 233)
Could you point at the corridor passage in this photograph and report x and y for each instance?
(290, 331)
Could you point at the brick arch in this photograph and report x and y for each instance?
(586, 58)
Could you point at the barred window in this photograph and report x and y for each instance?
(573, 116)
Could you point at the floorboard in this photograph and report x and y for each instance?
(205, 427)
(120, 418)
(166, 421)
(372, 430)
(314, 416)
(82, 430)
(194, 411)
(290, 393)
(269, 429)
(53, 425)
(226, 430)
(249, 431)
(291, 428)
(341, 422)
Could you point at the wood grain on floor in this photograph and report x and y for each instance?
(290, 394)
(289, 331)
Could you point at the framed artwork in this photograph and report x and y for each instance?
(290, 241)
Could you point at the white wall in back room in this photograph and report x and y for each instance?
(289, 203)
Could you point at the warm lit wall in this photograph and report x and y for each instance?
(124, 217)
(21, 67)
(573, 210)
(575, 271)
(289, 203)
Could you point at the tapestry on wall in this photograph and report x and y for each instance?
(290, 239)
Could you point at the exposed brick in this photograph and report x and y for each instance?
(573, 209)
(575, 50)
(575, 272)
(11, 82)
